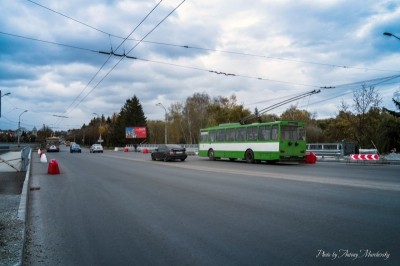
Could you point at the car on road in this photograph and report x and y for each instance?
(52, 148)
(96, 148)
(75, 148)
(169, 152)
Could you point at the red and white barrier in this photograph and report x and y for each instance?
(364, 157)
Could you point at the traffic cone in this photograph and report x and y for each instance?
(53, 168)
(43, 158)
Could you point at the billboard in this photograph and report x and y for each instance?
(135, 133)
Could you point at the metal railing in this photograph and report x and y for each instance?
(25, 152)
(339, 149)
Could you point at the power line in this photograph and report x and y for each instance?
(222, 73)
(68, 17)
(212, 50)
(108, 60)
(112, 53)
(48, 42)
(276, 105)
(156, 26)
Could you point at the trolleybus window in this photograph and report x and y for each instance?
(301, 133)
(292, 133)
(221, 135)
(251, 133)
(204, 136)
(274, 132)
(230, 134)
(212, 135)
(264, 133)
(241, 134)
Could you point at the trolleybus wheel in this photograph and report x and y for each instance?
(211, 155)
(249, 156)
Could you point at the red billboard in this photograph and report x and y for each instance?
(135, 133)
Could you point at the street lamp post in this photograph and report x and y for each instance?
(391, 35)
(19, 125)
(166, 120)
(1, 96)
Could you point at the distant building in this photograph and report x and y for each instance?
(34, 131)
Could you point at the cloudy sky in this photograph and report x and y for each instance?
(263, 51)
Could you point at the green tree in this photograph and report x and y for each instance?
(389, 132)
(394, 113)
(156, 131)
(390, 127)
(341, 127)
(292, 113)
(225, 110)
(131, 115)
(199, 111)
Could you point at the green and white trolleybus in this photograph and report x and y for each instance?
(279, 141)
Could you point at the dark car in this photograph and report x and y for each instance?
(169, 153)
(75, 148)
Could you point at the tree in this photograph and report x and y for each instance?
(341, 127)
(199, 111)
(397, 104)
(195, 115)
(131, 115)
(389, 132)
(292, 113)
(390, 127)
(225, 110)
(366, 106)
(156, 131)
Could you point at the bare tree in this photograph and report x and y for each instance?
(366, 105)
(365, 99)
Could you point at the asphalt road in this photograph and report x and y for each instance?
(124, 209)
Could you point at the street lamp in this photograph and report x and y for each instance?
(99, 127)
(166, 119)
(19, 125)
(391, 35)
(8, 93)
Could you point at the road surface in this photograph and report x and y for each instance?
(124, 209)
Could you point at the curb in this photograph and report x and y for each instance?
(22, 213)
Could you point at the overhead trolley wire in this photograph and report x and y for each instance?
(141, 22)
(156, 26)
(276, 105)
(212, 50)
(355, 85)
(48, 42)
(113, 53)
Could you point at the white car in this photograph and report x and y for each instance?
(96, 148)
